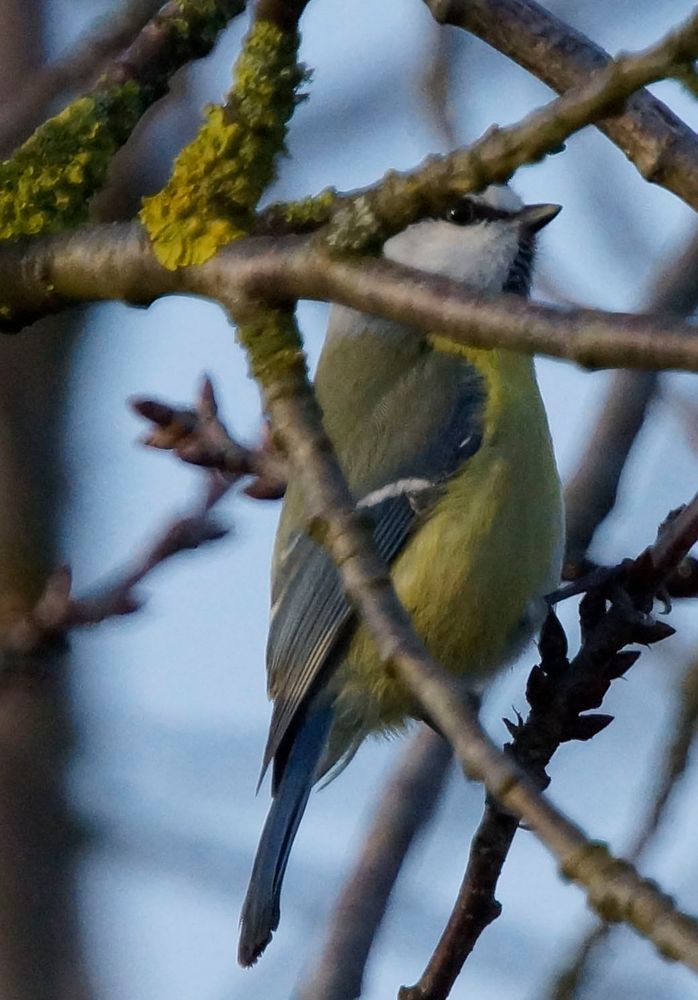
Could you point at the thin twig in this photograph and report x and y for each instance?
(591, 493)
(662, 147)
(199, 437)
(57, 611)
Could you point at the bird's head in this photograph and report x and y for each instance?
(487, 241)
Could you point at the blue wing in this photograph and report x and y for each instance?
(311, 618)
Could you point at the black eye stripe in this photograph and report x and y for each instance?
(467, 211)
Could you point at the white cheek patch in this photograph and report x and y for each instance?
(480, 255)
(396, 489)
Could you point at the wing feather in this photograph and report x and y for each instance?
(311, 617)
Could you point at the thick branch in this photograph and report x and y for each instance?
(662, 147)
(116, 262)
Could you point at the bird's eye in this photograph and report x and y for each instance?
(462, 214)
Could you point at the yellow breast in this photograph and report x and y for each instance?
(473, 575)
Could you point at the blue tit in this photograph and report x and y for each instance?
(447, 451)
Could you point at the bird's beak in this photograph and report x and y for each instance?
(534, 217)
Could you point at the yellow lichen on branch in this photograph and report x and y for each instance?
(219, 177)
(46, 185)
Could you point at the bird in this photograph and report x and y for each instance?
(448, 455)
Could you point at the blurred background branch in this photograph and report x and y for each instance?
(405, 807)
(571, 980)
(73, 71)
(592, 490)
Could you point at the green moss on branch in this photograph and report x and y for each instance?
(274, 348)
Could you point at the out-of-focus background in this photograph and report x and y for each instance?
(162, 717)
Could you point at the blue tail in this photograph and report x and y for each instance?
(260, 911)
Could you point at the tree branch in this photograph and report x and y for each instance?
(591, 493)
(116, 262)
(74, 69)
(47, 184)
(662, 147)
(367, 218)
(26, 633)
(181, 30)
(199, 438)
(613, 887)
(562, 695)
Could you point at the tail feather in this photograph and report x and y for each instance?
(260, 911)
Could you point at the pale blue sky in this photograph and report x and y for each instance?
(170, 704)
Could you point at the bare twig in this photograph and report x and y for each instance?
(200, 438)
(405, 806)
(57, 612)
(561, 695)
(591, 493)
(662, 147)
